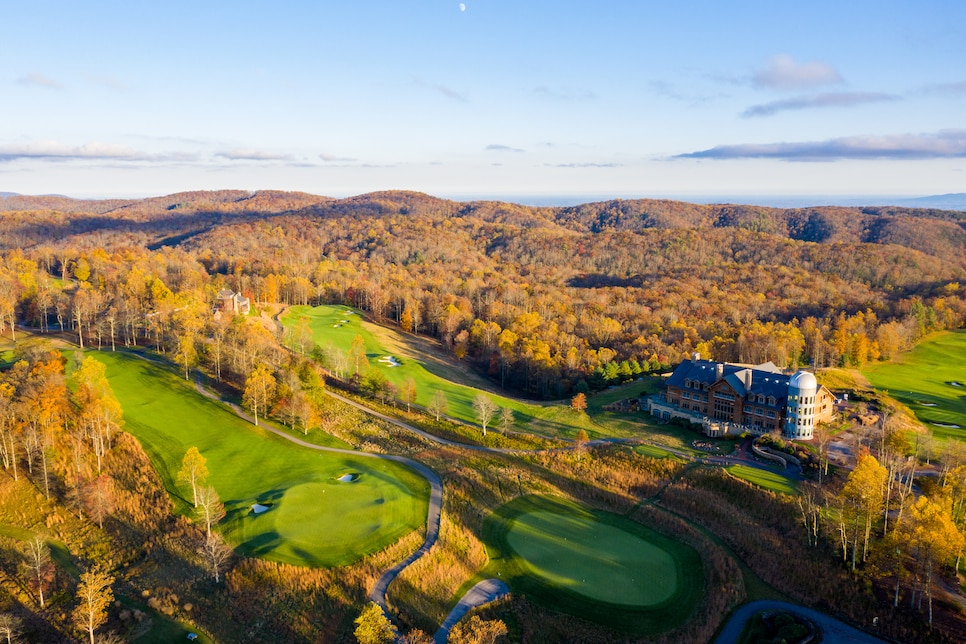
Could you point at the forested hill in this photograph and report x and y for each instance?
(541, 299)
(940, 233)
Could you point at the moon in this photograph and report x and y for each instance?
(462, 7)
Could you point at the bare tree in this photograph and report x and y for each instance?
(484, 408)
(209, 507)
(437, 404)
(506, 419)
(9, 627)
(216, 554)
(38, 563)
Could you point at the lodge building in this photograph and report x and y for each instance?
(729, 399)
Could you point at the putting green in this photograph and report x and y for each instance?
(594, 559)
(313, 519)
(593, 564)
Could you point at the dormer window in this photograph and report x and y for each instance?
(761, 399)
(687, 383)
(771, 400)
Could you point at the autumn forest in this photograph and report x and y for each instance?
(545, 304)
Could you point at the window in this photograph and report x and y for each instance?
(771, 401)
(771, 414)
(761, 399)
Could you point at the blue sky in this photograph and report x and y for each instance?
(492, 97)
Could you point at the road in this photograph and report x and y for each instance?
(832, 629)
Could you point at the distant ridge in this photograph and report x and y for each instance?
(8, 194)
(952, 201)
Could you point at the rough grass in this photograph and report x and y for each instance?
(593, 564)
(314, 520)
(922, 378)
(768, 480)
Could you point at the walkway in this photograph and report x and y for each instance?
(378, 592)
(482, 593)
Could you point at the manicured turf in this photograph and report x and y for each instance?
(592, 564)
(313, 518)
(332, 325)
(774, 481)
(923, 378)
(653, 451)
(599, 561)
(335, 326)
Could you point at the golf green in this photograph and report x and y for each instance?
(593, 564)
(593, 559)
(312, 518)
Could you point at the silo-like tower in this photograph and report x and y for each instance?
(800, 413)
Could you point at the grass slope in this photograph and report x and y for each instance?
(314, 519)
(774, 481)
(595, 565)
(333, 325)
(922, 380)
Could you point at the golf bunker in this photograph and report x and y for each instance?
(349, 477)
(593, 564)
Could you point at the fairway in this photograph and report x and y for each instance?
(931, 381)
(593, 564)
(339, 325)
(774, 481)
(312, 519)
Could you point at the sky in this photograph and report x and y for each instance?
(485, 98)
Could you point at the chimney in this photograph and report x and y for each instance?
(695, 357)
(718, 371)
(748, 380)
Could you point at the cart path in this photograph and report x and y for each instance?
(378, 592)
(482, 593)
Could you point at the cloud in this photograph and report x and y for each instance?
(783, 73)
(944, 144)
(583, 165)
(946, 89)
(331, 158)
(248, 154)
(107, 81)
(443, 90)
(39, 80)
(564, 94)
(496, 147)
(53, 151)
(838, 99)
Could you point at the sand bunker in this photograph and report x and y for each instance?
(926, 404)
(389, 361)
(258, 508)
(947, 425)
(349, 477)
(956, 384)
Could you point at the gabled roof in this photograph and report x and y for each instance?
(764, 380)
